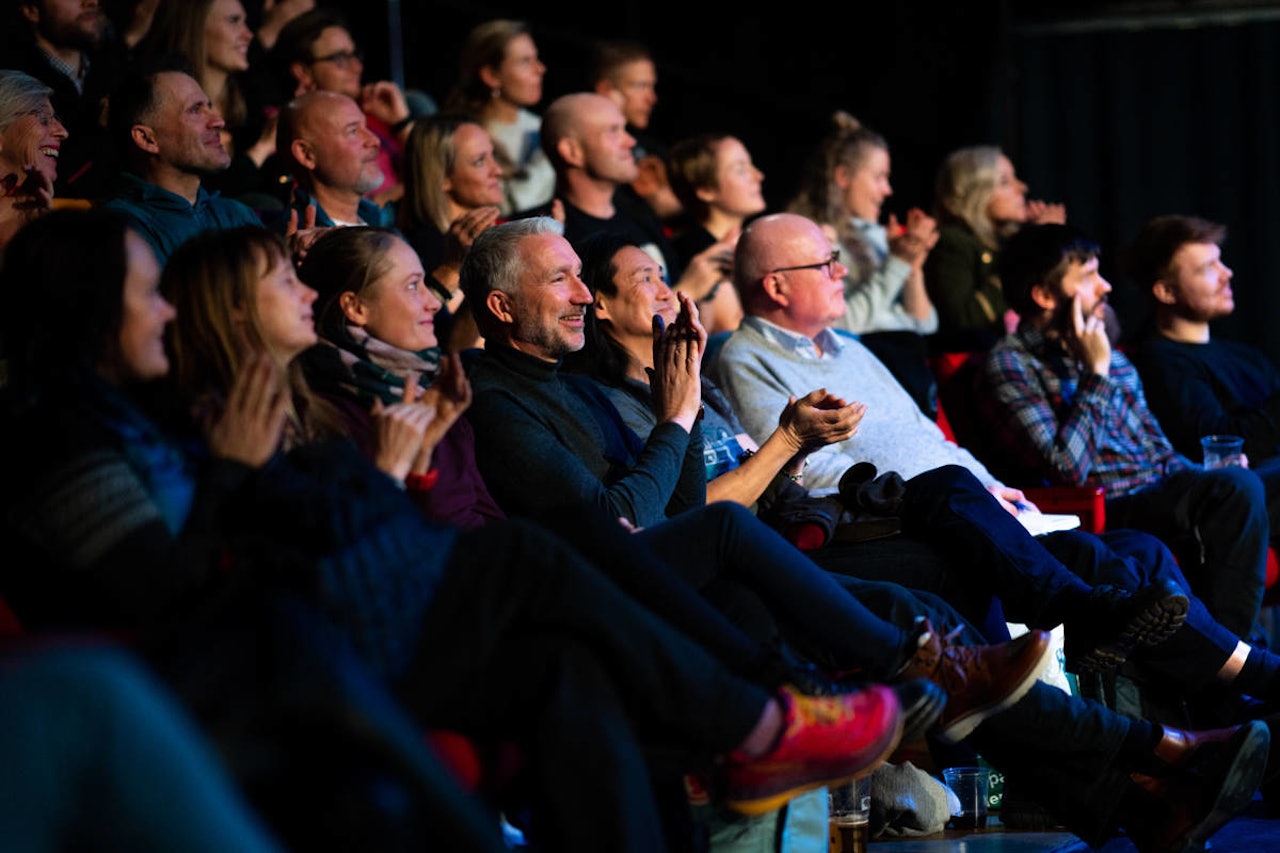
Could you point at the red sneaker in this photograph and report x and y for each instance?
(826, 740)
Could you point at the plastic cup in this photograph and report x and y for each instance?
(970, 787)
(1222, 451)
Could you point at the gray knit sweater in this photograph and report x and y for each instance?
(761, 364)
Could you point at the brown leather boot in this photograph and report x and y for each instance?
(1210, 778)
(980, 681)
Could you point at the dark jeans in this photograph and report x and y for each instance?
(1063, 746)
(961, 544)
(526, 640)
(827, 625)
(1217, 523)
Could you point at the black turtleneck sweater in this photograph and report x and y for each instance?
(547, 440)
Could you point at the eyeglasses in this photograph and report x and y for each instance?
(342, 58)
(825, 266)
(45, 116)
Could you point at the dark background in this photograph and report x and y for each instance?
(1122, 111)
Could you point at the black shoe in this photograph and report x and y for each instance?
(922, 702)
(1178, 810)
(1119, 621)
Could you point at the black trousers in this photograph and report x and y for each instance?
(527, 640)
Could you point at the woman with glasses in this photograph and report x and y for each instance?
(31, 136)
(499, 82)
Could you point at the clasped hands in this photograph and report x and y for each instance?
(676, 376)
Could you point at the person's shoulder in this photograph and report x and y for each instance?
(234, 211)
(744, 343)
(1007, 349)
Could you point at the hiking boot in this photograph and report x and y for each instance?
(826, 740)
(1212, 780)
(980, 681)
(1119, 621)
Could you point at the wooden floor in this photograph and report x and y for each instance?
(1250, 832)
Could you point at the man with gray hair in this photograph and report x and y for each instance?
(551, 446)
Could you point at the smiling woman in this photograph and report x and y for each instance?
(30, 138)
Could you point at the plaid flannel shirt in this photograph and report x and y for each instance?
(1075, 428)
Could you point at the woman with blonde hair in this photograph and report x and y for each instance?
(979, 202)
(844, 188)
(453, 191)
(30, 138)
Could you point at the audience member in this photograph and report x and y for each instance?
(499, 83)
(1209, 662)
(334, 158)
(844, 187)
(372, 316)
(625, 73)
(97, 754)
(320, 520)
(960, 542)
(378, 356)
(585, 138)
(453, 191)
(978, 202)
(535, 319)
(1195, 385)
(215, 37)
(719, 188)
(310, 736)
(1070, 410)
(31, 139)
(548, 440)
(170, 136)
(315, 51)
(66, 46)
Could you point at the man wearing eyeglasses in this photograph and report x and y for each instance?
(791, 282)
(315, 52)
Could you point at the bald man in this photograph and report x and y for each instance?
(584, 134)
(325, 138)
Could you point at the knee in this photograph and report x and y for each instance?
(1234, 489)
(730, 514)
(948, 477)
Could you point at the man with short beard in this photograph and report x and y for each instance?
(169, 135)
(64, 44)
(1070, 410)
(325, 139)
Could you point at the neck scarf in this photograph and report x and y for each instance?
(349, 361)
